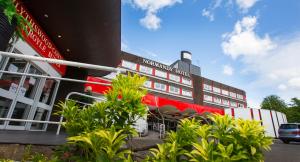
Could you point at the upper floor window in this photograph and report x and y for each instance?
(186, 81)
(225, 92)
(232, 94)
(160, 86)
(148, 84)
(174, 77)
(239, 96)
(160, 73)
(129, 65)
(217, 100)
(233, 103)
(173, 89)
(207, 87)
(207, 98)
(186, 92)
(145, 69)
(241, 105)
(225, 102)
(217, 90)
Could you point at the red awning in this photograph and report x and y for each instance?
(156, 101)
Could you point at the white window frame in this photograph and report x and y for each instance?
(186, 81)
(233, 103)
(225, 102)
(216, 90)
(225, 92)
(160, 73)
(186, 93)
(146, 69)
(148, 84)
(129, 65)
(217, 100)
(207, 87)
(160, 86)
(208, 98)
(173, 89)
(232, 94)
(174, 77)
(239, 96)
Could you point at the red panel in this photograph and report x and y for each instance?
(252, 116)
(38, 39)
(232, 112)
(156, 101)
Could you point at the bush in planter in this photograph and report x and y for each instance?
(97, 132)
(225, 140)
(10, 21)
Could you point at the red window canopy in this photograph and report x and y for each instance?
(156, 101)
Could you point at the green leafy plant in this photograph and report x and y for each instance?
(99, 132)
(226, 140)
(178, 143)
(13, 16)
(101, 145)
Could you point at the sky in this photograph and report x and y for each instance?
(253, 45)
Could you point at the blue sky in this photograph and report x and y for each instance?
(250, 44)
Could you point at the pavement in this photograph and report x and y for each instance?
(283, 152)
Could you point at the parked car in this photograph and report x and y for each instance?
(289, 132)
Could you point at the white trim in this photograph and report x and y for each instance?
(159, 78)
(219, 94)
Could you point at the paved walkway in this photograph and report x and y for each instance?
(31, 137)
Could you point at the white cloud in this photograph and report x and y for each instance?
(208, 14)
(151, 21)
(244, 5)
(228, 70)
(272, 64)
(244, 41)
(282, 87)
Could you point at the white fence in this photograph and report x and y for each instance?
(271, 120)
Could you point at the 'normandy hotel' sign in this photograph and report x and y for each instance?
(165, 67)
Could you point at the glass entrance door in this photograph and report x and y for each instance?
(24, 101)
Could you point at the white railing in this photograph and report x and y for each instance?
(62, 62)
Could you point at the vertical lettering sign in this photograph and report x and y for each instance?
(38, 40)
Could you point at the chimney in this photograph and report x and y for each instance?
(186, 56)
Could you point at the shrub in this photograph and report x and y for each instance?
(226, 140)
(98, 132)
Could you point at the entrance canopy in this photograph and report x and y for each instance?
(166, 105)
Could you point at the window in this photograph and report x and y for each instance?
(225, 92)
(160, 86)
(240, 96)
(186, 81)
(186, 93)
(217, 100)
(145, 69)
(233, 103)
(232, 94)
(217, 90)
(174, 77)
(240, 105)
(148, 84)
(225, 102)
(160, 73)
(174, 90)
(207, 98)
(207, 87)
(129, 65)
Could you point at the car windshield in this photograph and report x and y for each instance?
(289, 126)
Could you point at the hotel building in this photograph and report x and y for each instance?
(183, 81)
